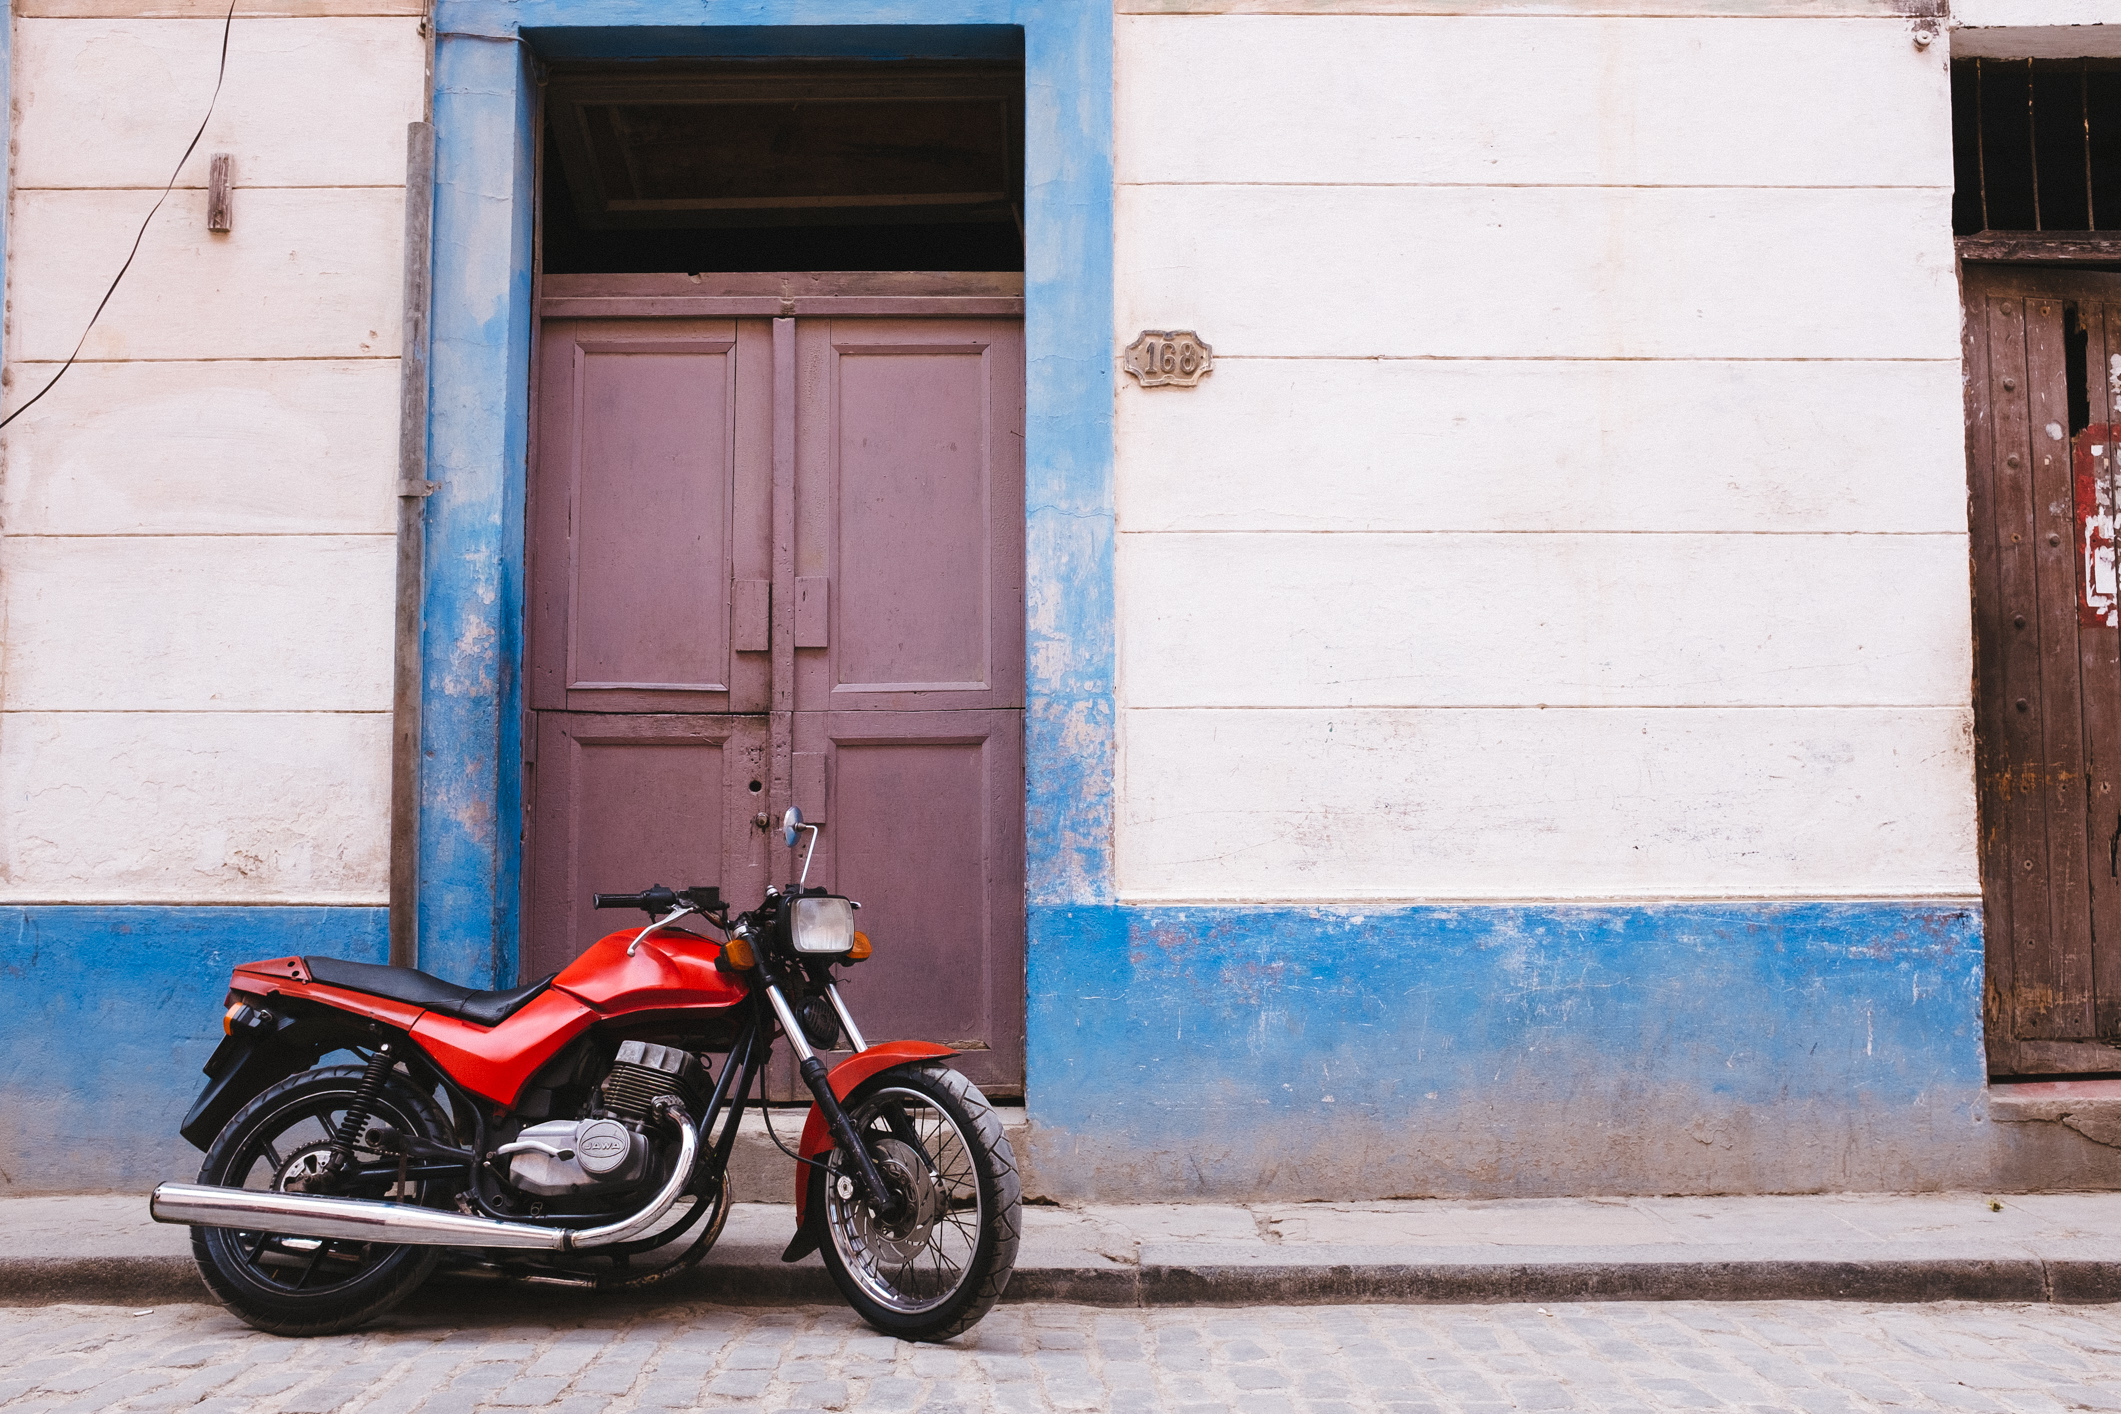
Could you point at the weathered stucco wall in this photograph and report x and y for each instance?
(196, 566)
(1522, 1051)
(1574, 526)
(195, 569)
(1577, 508)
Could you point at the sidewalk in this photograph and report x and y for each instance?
(2040, 1247)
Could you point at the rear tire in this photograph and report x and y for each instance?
(939, 1270)
(301, 1286)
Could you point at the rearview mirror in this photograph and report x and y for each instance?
(791, 825)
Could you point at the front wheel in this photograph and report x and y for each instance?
(941, 1265)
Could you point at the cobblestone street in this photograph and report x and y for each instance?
(446, 1357)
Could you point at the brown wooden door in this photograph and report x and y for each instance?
(779, 561)
(2044, 407)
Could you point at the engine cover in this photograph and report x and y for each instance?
(602, 1154)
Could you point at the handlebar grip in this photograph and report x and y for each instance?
(651, 900)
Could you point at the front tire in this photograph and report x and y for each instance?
(940, 1268)
(303, 1286)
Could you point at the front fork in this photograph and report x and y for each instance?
(812, 1070)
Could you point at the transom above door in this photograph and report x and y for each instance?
(776, 558)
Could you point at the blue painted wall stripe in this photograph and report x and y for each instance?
(1534, 1049)
(109, 1014)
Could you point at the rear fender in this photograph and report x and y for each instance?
(817, 1137)
(252, 1058)
(243, 1067)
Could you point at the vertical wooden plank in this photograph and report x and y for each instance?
(2017, 699)
(1991, 635)
(2054, 985)
(2099, 645)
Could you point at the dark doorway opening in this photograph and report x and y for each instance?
(756, 165)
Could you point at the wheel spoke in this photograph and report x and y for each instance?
(314, 1258)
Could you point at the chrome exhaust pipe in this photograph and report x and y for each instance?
(402, 1224)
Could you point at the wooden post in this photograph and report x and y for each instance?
(413, 490)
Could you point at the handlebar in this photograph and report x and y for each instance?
(707, 898)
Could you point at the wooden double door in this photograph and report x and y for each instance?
(779, 561)
(2044, 411)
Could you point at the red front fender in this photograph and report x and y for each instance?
(844, 1077)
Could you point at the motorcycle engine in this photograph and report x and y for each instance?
(611, 1150)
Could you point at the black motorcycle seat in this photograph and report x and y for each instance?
(416, 988)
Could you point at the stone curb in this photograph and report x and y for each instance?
(752, 1281)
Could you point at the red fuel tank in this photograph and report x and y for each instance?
(672, 968)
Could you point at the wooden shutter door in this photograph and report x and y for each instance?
(2044, 404)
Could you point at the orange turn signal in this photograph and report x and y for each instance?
(860, 949)
(228, 1018)
(739, 953)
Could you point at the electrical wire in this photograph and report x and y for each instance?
(766, 1113)
(220, 76)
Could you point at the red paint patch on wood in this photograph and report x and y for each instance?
(2092, 459)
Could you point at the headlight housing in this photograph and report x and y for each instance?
(821, 923)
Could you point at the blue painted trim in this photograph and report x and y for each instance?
(1518, 1050)
(110, 1014)
(471, 811)
(484, 113)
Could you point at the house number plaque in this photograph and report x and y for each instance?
(1174, 356)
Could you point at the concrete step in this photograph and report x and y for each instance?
(1927, 1247)
(2091, 1107)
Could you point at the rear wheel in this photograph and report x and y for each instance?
(282, 1141)
(941, 1264)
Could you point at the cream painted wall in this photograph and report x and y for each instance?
(195, 569)
(1577, 509)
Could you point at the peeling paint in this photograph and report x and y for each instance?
(2093, 481)
(1508, 1050)
(126, 1002)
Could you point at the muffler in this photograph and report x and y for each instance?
(402, 1224)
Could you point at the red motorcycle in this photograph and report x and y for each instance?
(578, 1130)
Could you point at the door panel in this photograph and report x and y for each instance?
(924, 823)
(623, 801)
(909, 492)
(2048, 701)
(650, 517)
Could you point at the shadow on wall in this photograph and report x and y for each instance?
(110, 1014)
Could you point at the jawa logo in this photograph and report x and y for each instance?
(603, 1146)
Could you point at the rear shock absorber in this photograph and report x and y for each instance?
(362, 1106)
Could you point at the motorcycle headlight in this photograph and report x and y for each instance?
(822, 925)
